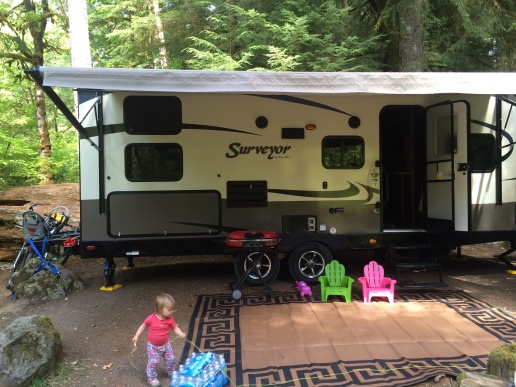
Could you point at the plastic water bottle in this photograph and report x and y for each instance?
(174, 380)
(223, 369)
(222, 362)
(201, 370)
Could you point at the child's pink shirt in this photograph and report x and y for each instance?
(159, 329)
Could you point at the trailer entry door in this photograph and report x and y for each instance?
(402, 139)
(447, 171)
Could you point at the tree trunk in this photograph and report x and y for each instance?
(411, 35)
(37, 27)
(508, 57)
(161, 36)
(79, 38)
(47, 177)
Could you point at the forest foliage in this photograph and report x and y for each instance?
(38, 145)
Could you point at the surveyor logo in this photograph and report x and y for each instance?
(271, 151)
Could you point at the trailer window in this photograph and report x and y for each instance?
(443, 134)
(343, 152)
(483, 153)
(153, 162)
(152, 114)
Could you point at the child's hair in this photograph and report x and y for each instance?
(164, 300)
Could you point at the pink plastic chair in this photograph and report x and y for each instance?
(374, 284)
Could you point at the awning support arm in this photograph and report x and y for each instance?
(498, 171)
(36, 76)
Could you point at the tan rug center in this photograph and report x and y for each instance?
(308, 333)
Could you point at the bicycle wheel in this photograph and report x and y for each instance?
(65, 257)
(62, 254)
(60, 250)
(21, 260)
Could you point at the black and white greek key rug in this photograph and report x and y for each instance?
(289, 340)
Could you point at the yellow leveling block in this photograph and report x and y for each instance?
(111, 288)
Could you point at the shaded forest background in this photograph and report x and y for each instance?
(38, 146)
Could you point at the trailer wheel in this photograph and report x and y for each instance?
(267, 268)
(307, 262)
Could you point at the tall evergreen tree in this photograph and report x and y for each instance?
(160, 35)
(78, 33)
(132, 33)
(473, 35)
(308, 36)
(411, 35)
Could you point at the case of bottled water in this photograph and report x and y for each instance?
(201, 370)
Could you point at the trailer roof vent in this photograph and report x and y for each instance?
(242, 194)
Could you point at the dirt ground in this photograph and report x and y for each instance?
(96, 327)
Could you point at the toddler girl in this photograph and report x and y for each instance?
(158, 338)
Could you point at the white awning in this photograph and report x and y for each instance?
(192, 81)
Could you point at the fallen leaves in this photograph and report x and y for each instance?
(104, 367)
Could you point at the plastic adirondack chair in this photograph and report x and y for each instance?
(335, 282)
(374, 284)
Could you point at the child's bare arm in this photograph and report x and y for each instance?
(179, 332)
(139, 332)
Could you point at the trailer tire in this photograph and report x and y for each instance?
(268, 268)
(307, 262)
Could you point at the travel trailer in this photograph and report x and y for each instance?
(173, 161)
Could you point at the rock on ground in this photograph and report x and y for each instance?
(30, 347)
(479, 379)
(502, 362)
(44, 285)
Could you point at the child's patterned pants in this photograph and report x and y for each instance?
(154, 354)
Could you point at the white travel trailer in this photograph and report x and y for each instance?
(172, 161)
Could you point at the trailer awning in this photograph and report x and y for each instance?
(192, 81)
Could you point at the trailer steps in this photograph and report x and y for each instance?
(416, 267)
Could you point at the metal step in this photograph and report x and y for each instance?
(417, 266)
(421, 285)
(411, 247)
(422, 269)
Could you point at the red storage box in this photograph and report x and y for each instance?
(238, 238)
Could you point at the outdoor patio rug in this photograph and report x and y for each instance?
(290, 340)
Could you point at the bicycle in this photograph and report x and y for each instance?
(44, 237)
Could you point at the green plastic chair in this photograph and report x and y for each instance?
(335, 282)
